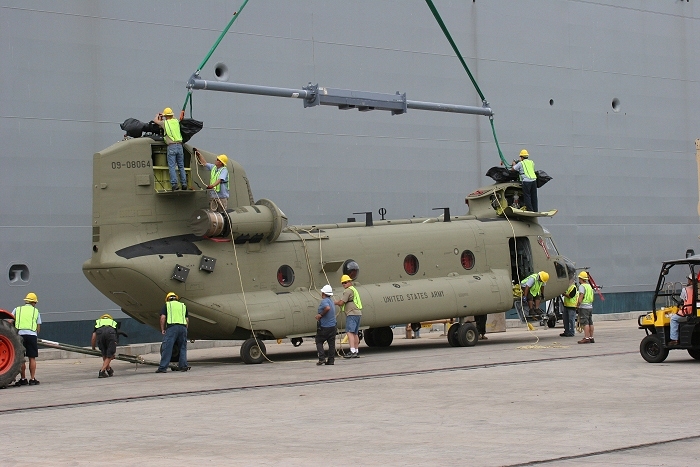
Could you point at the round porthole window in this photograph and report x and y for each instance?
(410, 265)
(351, 268)
(285, 276)
(467, 259)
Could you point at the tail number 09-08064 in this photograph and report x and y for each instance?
(131, 165)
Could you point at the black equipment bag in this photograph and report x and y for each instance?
(502, 175)
(189, 127)
(542, 177)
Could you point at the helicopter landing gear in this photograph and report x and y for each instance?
(383, 337)
(369, 337)
(467, 335)
(452, 338)
(296, 341)
(253, 351)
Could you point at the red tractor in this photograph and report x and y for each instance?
(11, 350)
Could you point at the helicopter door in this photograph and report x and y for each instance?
(520, 258)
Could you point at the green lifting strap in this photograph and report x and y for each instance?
(464, 64)
(236, 14)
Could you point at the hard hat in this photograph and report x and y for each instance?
(328, 290)
(524, 153)
(171, 296)
(583, 275)
(345, 278)
(31, 298)
(168, 112)
(223, 158)
(544, 276)
(106, 316)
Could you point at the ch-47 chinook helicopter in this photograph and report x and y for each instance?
(248, 275)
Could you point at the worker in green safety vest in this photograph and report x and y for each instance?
(528, 178)
(175, 154)
(173, 326)
(570, 299)
(351, 305)
(218, 181)
(27, 323)
(585, 308)
(104, 335)
(533, 290)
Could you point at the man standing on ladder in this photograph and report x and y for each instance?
(173, 138)
(528, 178)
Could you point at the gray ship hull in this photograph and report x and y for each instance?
(600, 93)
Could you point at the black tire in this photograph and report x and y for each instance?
(383, 337)
(552, 321)
(174, 356)
(467, 336)
(360, 335)
(452, 332)
(415, 327)
(652, 349)
(695, 353)
(253, 351)
(296, 341)
(369, 338)
(11, 353)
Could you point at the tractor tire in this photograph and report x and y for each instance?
(11, 353)
(652, 349)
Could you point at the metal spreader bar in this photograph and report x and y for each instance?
(314, 95)
(138, 359)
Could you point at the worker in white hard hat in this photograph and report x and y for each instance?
(218, 181)
(27, 323)
(528, 178)
(173, 138)
(326, 329)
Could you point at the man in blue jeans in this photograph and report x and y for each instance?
(173, 138)
(326, 330)
(173, 325)
(351, 305)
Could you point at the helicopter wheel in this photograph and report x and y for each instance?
(253, 351)
(552, 321)
(652, 349)
(415, 327)
(452, 338)
(383, 337)
(369, 338)
(174, 356)
(467, 336)
(296, 341)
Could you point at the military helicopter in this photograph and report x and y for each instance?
(247, 275)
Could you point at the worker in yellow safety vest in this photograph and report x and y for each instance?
(351, 304)
(175, 154)
(528, 178)
(585, 308)
(173, 326)
(104, 335)
(533, 290)
(218, 181)
(570, 299)
(27, 323)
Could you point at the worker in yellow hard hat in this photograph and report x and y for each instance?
(533, 290)
(351, 304)
(27, 323)
(173, 138)
(528, 178)
(104, 336)
(585, 308)
(173, 326)
(218, 181)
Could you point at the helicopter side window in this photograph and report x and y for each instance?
(410, 265)
(285, 275)
(467, 259)
(351, 268)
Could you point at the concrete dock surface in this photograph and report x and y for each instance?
(518, 398)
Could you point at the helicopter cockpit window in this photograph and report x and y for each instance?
(351, 268)
(467, 259)
(410, 265)
(285, 276)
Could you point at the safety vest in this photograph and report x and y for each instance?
(588, 296)
(172, 129)
(26, 317)
(215, 175)
(529, 169)
(573, 301)
(102, 322)
(355, 298)
(536, 286)
(176, 312)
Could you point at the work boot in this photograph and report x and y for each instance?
(21, 382)
(33, 382)
(672, 342)
(330, 362)
(110, 372)
(102, 374)
(320, 362)
(161, 371)
(585, 340)
(183, 368)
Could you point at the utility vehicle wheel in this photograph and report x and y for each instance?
(369, 338)
(11, 353)
(253, 351)
(652, 349)
(695, 353)
(452, 332)
(467, 336)
(383, 337)
(552, 321)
